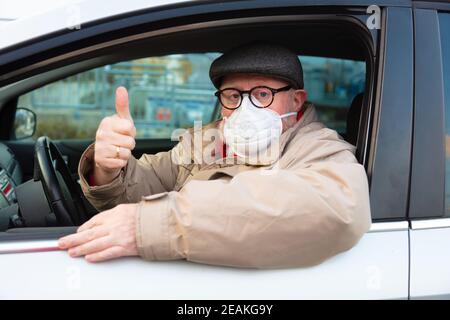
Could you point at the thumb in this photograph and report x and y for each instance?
(122, 108)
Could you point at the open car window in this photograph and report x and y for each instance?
(169, 86)
(173, 91)
(332, 84)
(165, 92)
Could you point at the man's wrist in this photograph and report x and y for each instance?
(101, 177)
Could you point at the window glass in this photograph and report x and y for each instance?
(331, 85)
(171, 92)
(444, 24)
(165, 93)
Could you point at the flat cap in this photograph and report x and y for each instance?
(259, 58)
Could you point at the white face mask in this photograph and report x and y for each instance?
(250, 131)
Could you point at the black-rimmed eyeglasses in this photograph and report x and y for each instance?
(260, 97)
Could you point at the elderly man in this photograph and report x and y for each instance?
(298, 204)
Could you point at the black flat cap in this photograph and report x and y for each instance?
(259, 58)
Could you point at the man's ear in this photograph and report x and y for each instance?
(300, 96)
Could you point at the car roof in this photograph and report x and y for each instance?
(68, 16)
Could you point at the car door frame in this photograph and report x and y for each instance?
(395, 61)
(429, 225)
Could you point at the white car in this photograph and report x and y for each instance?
(379, 75)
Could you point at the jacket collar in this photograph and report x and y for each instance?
(309, 115)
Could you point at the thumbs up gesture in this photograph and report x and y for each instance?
(114, 141)
(122, 107)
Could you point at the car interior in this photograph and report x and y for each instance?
(38, 177)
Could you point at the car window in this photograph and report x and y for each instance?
(444, 24)
(164, 92)
(171, 92)
(332, 84)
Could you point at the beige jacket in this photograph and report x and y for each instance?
(310, 205)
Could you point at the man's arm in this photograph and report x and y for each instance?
(313, 208)
(109, 173)
(150, 174)
(295, 217)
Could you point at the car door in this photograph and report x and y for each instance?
(377, 267)
(430, 193)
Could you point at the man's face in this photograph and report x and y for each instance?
(284, 102)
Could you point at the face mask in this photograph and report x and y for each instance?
(250, 131)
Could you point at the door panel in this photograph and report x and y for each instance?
(24, 152)
(429, 212)
(430, 259)
(375, 268)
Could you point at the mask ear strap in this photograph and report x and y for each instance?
(289, 114)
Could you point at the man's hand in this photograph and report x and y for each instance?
(108, 235)
(114, 141)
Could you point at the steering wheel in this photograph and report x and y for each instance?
(64, 195)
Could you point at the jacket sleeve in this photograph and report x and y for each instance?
(151, 174)
(291, 217)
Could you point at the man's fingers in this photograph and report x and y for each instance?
(96, 245)
(122, 106)
(111, 152)
(80, 238)
(122, 153)
(116, 124)
(107, 254)
(125, 127)
(116, 139)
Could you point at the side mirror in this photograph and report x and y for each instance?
(24, 123)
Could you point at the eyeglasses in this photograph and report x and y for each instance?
(260, 97)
